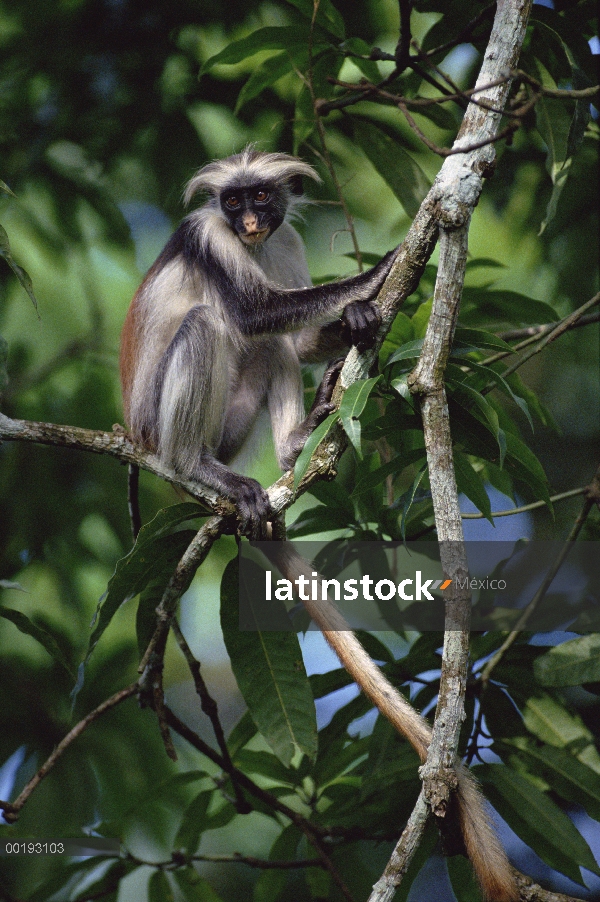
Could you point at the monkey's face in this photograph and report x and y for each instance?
(253, 212)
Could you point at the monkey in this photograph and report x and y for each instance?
(222, 322)
(217, 331)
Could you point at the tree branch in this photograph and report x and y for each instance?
(456, 189)
(12, 809)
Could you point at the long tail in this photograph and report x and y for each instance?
(133, 500)
(487, 856)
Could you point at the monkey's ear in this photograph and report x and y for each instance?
(296, 185)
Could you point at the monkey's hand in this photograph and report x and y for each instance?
(254, 509)
(360, 322)
(250, 499)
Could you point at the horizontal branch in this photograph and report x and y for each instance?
(563, 496)
(116, 444)
(178, 859)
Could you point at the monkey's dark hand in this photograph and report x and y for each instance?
(360, 322)
(253, 507)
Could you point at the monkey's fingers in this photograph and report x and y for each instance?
(360, 323)
(254, 509)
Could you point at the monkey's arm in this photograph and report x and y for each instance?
(256, 306)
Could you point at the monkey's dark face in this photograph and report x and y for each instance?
(254, 212)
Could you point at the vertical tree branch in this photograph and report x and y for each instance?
(456, 192)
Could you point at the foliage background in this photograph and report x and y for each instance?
(103, 118)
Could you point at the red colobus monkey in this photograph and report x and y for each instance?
(217, 331)
(222, 322)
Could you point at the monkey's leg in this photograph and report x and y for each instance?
(192, 395)
(247, 396)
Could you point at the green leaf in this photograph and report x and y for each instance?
(41, 635)
(314, 439)
(327, 16)
(267, 765)
(480, 304)
(554, 122)
(159, 888)
(153, 557)
(193, 887)
(522, 463)
(356, 397)
(479, 340)
(19, 272)
(470, 483)
(391, 468)
(485, 262)
(361, 48)
(470, 398)
(68, 872)
(401, 332)
(5, 189)
(3, 383)
(421, 316)
(5, 250)
(571, 778)
(408, 351)
(403, 174)
(548, 719)
(409, 497)
(269, 38)
(304, 119)
(332, 495)
(391, 761)
(241, 734)
(571, 663)
(319, 519)
(269, 886)
(352, 428)
(270, 673)
(193, 823)
(325, 683)
(265, 75)
(493, 376)
(537, 820)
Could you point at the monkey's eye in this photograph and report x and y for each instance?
(232, 202)
(261, 197)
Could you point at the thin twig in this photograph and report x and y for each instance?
(540, 340)
(527, 507)
(323, 140)
(211, 709)
(12, 809)
(266, 864)
(309, 830)
(565, 324)
(547, 582)
(535, 331)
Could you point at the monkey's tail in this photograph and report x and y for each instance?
(133, 499)
(487, 856)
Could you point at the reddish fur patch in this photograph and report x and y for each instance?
(130, 340)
